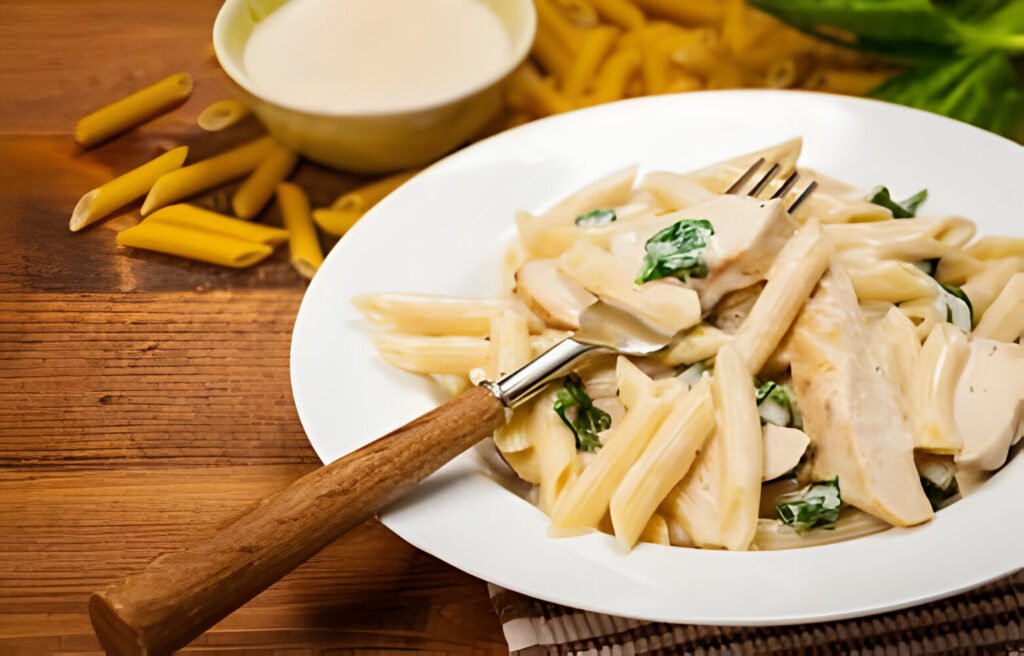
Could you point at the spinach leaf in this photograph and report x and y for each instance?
(982, 90)
(677, 251)
(959, 310)
(776, 404)
(904, 209)
(595, 218)
(589, 420)
(937, 494)
(816, 506)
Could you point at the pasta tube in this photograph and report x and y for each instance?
(611, 81)
(623, 13)
(656, 531)
(133, 110)
(222, 114)
(193, 243)
(1004, 319)
(335, 222)
(257, 189)
(596, 44)
(984, 287)
(425, 314)
(112, 196)
(610, 190)
(303, 242)
(207, 174)
(663, 463)
(551, 54)
(718, 501)
(190, 216)
(538, 98)
(696, 345)
(433, 355)
(579, 12)
(363, 198)
(791, 279)
(942, 360)
(705, 12)
(994, 248)
(558, 26)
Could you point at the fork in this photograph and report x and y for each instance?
(180, 595)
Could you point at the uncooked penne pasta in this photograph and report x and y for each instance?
(623, 13)
(222, 115)
(581, 13)
(207, 174)
(537, 97)
(551, 54)
(256, 191)
(558, 26)
(303, 242)
(190, 216)
(361, 199)
(654, 62)
(193, 243)
(597, 42)
(133, 110)
(703, 12)
(112, 196)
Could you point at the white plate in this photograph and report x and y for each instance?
(442, 232)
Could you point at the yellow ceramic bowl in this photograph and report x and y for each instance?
(369, 142)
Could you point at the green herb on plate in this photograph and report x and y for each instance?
(816, 506)
(589, 421)
(904, 209)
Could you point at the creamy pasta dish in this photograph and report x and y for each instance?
(829, 372)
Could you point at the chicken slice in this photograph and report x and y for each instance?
(850, 410)
(555, 297)
(783, 448)
(989, 403)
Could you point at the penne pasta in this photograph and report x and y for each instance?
(551, 54)
(656, 531)
(705, 12)
(994, 248)
(595, 46)
(361, 199)
(433, 355)
(196, 218)
(125, 188)
(207, 174)
(537, 97)
(791, 279)
(941, 362)
(663, 463)
(510, 350)
(623, 13)
(611, 190)
(984, 287)
(194, 243)
(696, 345)
(134, 109)
(889, 280)
(335, 222)
(654, 62)
(256, 191)
(581, 13)
(425, 314)
(1004, 319)
(303, 242)
(565, 33)
(222, 114)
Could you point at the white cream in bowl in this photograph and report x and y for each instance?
(354, 56)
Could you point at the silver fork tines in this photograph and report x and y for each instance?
(786, 186)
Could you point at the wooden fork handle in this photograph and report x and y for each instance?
(180, 595)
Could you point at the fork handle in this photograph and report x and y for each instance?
(180, 595)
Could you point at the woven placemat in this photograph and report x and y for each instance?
(986, 620)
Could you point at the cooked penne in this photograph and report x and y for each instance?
(1004, 318)
(190, 216)
(256, 191)
(112, 196)
(207, 174)
(134, 109)
(303, 241)
(596, 44)
(871, 392)
(222, 115)
(790, 281)
(941, 362)
(194, 243)
(663, 463)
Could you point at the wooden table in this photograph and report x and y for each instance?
(145, 401)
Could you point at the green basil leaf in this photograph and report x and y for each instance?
(677, 251)
(589, 420)
(776, 404)
(956, 300)
(905, 209)
(595, 218)
(937, 494)
(816, 506)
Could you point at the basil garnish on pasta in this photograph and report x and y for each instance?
(677, 251)
(904, 209)
(596, 218)
(776, 404)
(817, 506)
(589, 421)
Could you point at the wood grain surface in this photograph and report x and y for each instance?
(145, 401)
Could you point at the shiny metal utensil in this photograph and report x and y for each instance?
(180, 595)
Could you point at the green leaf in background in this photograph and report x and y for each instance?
(904, 209)
(982, 90)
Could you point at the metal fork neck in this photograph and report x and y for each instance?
(520, 386)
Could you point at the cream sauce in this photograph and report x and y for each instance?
(355, 56)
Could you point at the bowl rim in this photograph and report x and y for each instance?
(236, 71)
